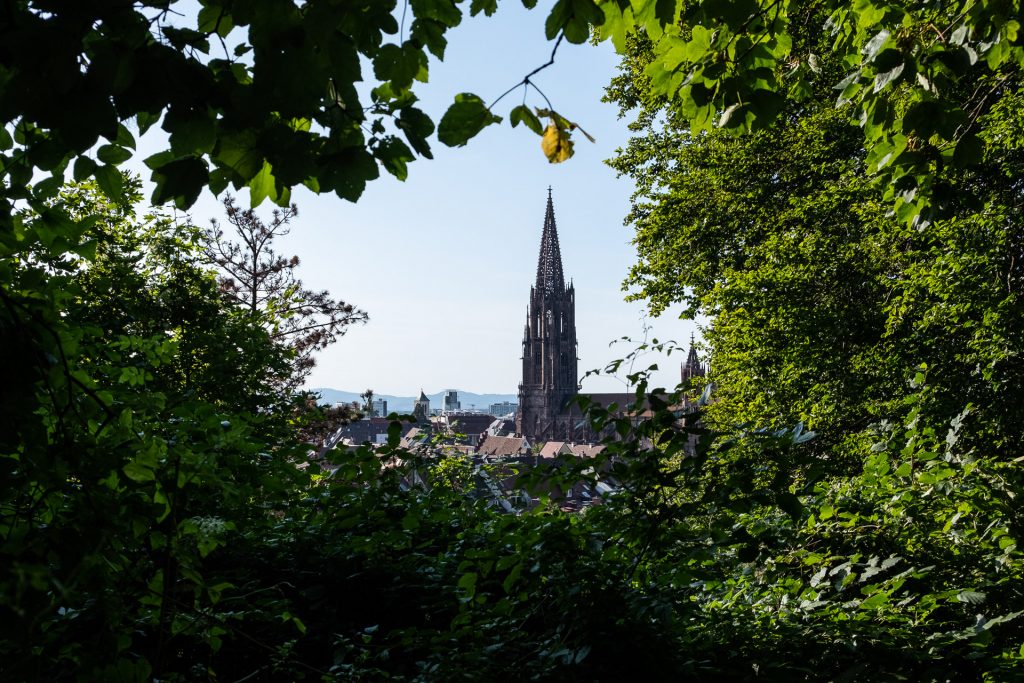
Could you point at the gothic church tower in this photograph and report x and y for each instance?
(549, 346)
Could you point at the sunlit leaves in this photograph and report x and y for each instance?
(555, 144)
(264, 185)
(573, 18)
(731, 64)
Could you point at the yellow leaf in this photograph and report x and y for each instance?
(556, 145)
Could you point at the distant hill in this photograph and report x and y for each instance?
(403, 404)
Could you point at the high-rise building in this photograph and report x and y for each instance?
(450, 401)
(549, 346)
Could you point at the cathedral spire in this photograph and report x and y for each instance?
(549, 263)
(693, 367)
(550, 379)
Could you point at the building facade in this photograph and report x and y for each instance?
(503, 408)
(450, 401)
(421, 409)
(546, 410)
(549, 346)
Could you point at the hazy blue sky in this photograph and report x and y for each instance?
(443, 262)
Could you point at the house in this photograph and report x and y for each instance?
(553, 449)
(470, 426)
(503, 446)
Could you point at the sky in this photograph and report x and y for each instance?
(443, 262)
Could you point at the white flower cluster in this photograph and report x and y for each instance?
(209, 526)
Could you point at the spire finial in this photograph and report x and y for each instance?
(549, 263)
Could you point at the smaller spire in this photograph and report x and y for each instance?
(692, 367)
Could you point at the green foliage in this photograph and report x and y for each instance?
(821, 298)
(918, 79)
(258, 94)
(162, 519)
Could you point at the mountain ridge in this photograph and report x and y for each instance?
(467, 399)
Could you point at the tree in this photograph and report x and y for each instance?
(150, 457)
(920, 79)
(819, 294)
(888, 336)
(368, 397)
(264, 284)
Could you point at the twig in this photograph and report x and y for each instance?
(526, 79)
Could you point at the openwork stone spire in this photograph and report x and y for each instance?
(549, 263)
(549, 347)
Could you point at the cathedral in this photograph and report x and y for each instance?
(549, 346)
(550, 376)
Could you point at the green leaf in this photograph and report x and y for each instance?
(971, 597)
(346, 173)
(182, 38)
(238, 152)
(431, 34)
(488, 7)
(394, 156)
(574, 18)
(113, 154)
(48, 188)
(876, 601)
(884, 78)
(467, 583)
(180, 181)
(875, 45)
(84, 168)
(111, 181)
(399, 65)
(124, 137)
(523, 114)
(444, 11)
(191, 134)
(417, 127)
(464, 119)
(215, 19)
(138, 472)
(557, 18)
(790, 504)
(264, 185)
(145, 120)
(970, 151)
